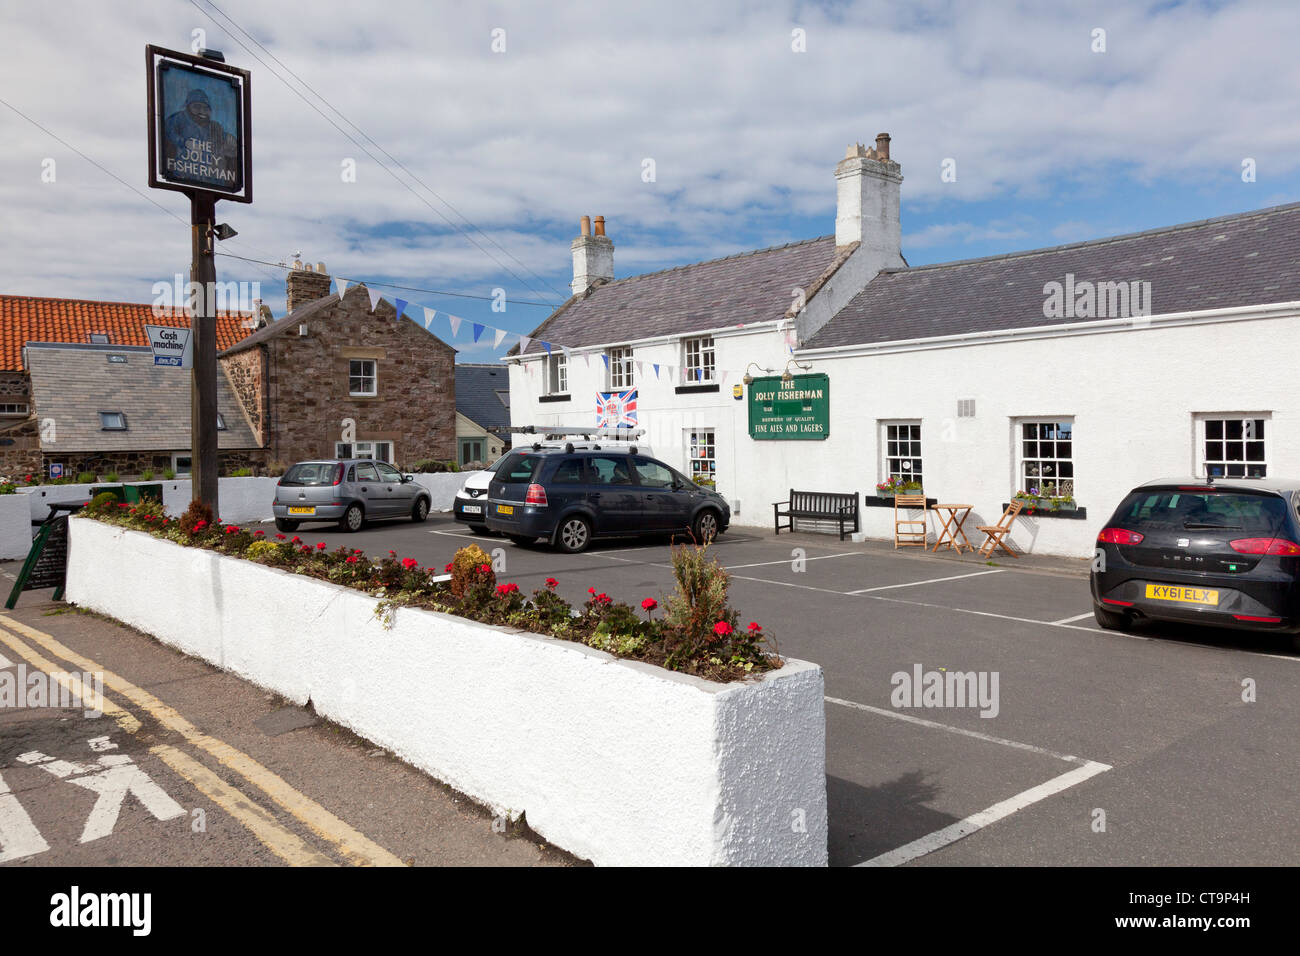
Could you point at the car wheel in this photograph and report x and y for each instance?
(706, 526)
(480, 529)
(573, 535)
(284, 524)
(353, 518)
(1112, 620)
(522, 539)
(420, 510)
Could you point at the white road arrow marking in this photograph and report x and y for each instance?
(18, 835)
(119, 777)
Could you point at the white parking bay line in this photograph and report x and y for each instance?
(820, 557)
(912, 584)
(453, 534)
(977, 735)
(972, 824)
(1071, 620)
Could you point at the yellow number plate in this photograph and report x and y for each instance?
(505, 509)
(1169, 592)
(302, 511)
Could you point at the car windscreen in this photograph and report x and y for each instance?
(310, 473)
(1181, 509)
(518, 468)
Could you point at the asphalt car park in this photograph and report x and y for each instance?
(1168, 745)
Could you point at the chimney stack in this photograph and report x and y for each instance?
(593, 256)
(305, 284)
(867, 199)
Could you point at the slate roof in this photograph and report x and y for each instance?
(749, 287)
(25, 318)
(483, 395)
(1240, 260)
(72, 384)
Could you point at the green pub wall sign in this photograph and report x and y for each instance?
(798, 410)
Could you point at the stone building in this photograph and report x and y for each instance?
(334, 379)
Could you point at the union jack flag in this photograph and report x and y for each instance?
(616, 409)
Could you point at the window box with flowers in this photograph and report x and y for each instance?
(1048, 501)
(886, 490)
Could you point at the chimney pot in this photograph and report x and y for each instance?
(584, 226)
(882, 146)
(600, 225)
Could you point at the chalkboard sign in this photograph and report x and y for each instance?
(47, 563)
(51, 568)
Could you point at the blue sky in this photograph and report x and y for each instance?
(1054, 141)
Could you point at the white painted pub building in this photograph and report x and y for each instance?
(1073, 373)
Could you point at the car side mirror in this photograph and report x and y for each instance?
(407, 478)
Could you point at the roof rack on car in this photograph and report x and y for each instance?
(585, 432)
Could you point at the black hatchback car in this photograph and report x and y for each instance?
(1221, 553)
(570, 497)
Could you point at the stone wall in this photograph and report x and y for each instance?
(308, 392)
(129, 465)
(20, 451)
(247, 376)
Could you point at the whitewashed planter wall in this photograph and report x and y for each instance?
(617, 761)
(15, 527)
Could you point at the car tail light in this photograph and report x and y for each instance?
(1258, 620)
(536, 496)
(1120, 536)
(1197, 488)
(338, 475)
(1264, 546)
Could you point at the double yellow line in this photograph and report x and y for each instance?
(352, 845)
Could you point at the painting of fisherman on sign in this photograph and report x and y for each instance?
(201, 126)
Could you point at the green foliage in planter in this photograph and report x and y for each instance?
(168, 474)
(111, 477)
(242, 473)
(86, 478)
(8, 488)
(146, 475)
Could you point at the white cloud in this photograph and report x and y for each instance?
(744, 132)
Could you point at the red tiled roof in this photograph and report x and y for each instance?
(25, 318)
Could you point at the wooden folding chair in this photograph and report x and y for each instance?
(997, 532)
(904, 527)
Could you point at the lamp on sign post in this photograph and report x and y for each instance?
(200, 143)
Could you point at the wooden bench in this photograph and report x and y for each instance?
(823, 505)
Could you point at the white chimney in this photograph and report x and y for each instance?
(866, 209)
(593, 256)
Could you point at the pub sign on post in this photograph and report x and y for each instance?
(199, 126)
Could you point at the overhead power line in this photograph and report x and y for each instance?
(381, 149)
(405, 288)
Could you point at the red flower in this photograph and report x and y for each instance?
(320, 546)
(447, 569)
(231, 529)
(352, 559)
(122, 504)
(409, 563)
(504, 589)
(258, 533)
(722, 629)
(649, 604)
(755, 626)
(307, 548)
(296, 540)
(484, 568)
(392, 554)
(198, 525)
(591, 590)
(552, 583)
(279, 537)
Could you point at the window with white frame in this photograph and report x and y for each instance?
(556, 370)
(361, 377)
(702, 454)
(620, 367)
(1233, 446)
(1047, 458)
(378, 450)
(13, 408)
(903, 451)
(698, 364)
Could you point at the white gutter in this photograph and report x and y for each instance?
(1096, 326)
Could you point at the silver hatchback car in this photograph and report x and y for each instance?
(347, 491)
